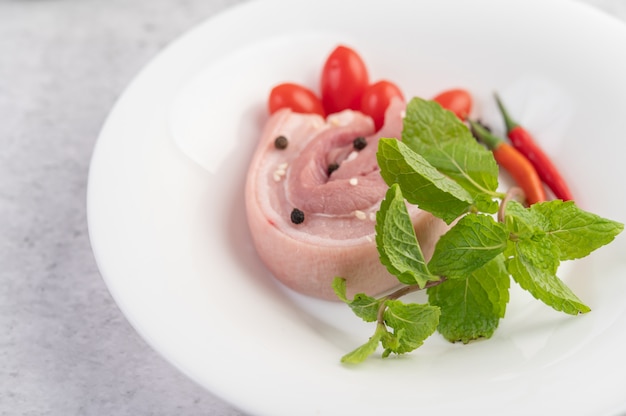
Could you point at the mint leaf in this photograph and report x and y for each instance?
(440, 167)
(533, 264)
(412, 324)
(363, 306)
(574, 231)
(397, 244)
(471, 308)
(448, 145)
(522, 222)
(421, 183)
(361, 353)
(472, 242)
(485, 203)
(339, 287)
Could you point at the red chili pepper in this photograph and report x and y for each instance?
(523, 141)
(514, 162)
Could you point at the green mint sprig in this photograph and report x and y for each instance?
(440, 167)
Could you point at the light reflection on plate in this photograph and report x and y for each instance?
(171, 241)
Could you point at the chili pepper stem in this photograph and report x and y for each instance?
(508, 121)
(483, 135)
(524, 142)
(511, 160)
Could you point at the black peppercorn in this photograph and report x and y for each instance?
(281, 142)
(359, 143)
(297, 216)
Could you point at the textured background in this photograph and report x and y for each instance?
(65, 348)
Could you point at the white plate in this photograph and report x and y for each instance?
(171, 240)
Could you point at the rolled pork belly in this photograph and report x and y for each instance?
(312, 192)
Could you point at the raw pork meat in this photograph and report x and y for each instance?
(312, 205)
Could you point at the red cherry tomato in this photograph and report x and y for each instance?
(377, 98)
(295, 97)
(457, 100)
(344, 79)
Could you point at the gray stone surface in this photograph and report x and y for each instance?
(65, 347)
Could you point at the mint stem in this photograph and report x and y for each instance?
(404, 290)
(514, 193)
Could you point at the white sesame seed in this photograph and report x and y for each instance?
(372, 216)
(280, 171)
(334, 121)
(360, 214)
(403, 114)
(352, 156)
(343, 118)
(354, 181)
